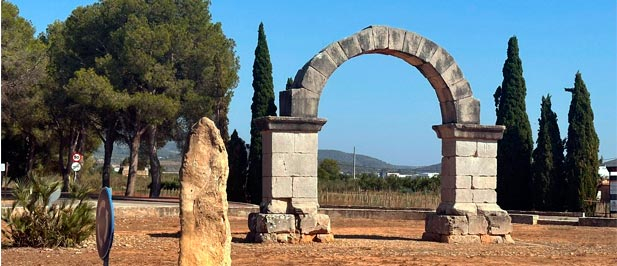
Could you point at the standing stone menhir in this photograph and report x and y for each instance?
(205, 235)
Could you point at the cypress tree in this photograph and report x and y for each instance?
(514, 150)
(263, 105)
(290, 84)
(547, 180)
(581, 163)
(238, 167)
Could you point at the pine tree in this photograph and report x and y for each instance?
(238, 167)
(263, 105)
(581, 163)
(514, 150)
(547, 180)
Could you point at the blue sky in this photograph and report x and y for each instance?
(383, 106)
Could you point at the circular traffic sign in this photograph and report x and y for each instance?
(76, 166)
(104, 223)
(76, 157)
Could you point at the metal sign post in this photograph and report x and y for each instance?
(104, 224)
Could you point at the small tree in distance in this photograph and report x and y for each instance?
(547, 179)
(238, 167)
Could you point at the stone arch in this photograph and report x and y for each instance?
(468, 211)
(456, 101)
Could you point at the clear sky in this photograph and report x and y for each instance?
(383, 106)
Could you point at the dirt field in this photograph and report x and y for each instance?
(358, 242)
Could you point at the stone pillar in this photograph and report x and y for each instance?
(468, 211)
(288, 211)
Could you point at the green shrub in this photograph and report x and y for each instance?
(41, 224)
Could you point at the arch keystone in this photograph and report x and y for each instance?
(396, 38)
(380, 37)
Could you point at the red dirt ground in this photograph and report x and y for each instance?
(154, 241)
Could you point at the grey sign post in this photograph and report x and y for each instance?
(104, 224)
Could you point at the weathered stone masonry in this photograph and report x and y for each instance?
(468, 211)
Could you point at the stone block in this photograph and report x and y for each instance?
(428, 71)
(460, 90)
(312, 224)
(426, 50)
(478, 225)
(305, 186)
(411, 44)
(474, 166)
(450, 208)
(468, 110)
(441, 88)
(323, 64)
(275, 223)
(462, 195)
(289, 164)
(365, 38)
(277, 142)
(305, 143)
(499, 225)
(490, 209)
(452, 75)
(380, 37)
(304, 205)
(487, 149)
(274, 238)
(310, 79)
(280, 186)
(508, 239)
(336, 53)
(441, 60)
(446, 224)
(448, 112)
(462, 181)
(396, 37)
(484, 195)
(484, 182)
(460, 239)
(298, 102)
(273, 206)
(351, 46)
(462, 148)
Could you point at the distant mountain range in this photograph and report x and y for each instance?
(368, 164)
(364, 164)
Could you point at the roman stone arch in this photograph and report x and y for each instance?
(435, 63)
(468, 211)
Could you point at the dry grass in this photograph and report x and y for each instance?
(385, 199)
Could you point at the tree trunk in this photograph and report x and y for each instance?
(134, 163)
(155, 165)
(110, 138)
(63, 170)
(30, 156)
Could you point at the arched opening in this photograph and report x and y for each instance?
(468, 208)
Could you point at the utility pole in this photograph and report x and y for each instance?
(354, 162)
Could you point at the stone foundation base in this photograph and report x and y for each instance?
(289, 228)
(493, 228)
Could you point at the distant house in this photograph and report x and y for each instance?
(429, 175)
(125, 171)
